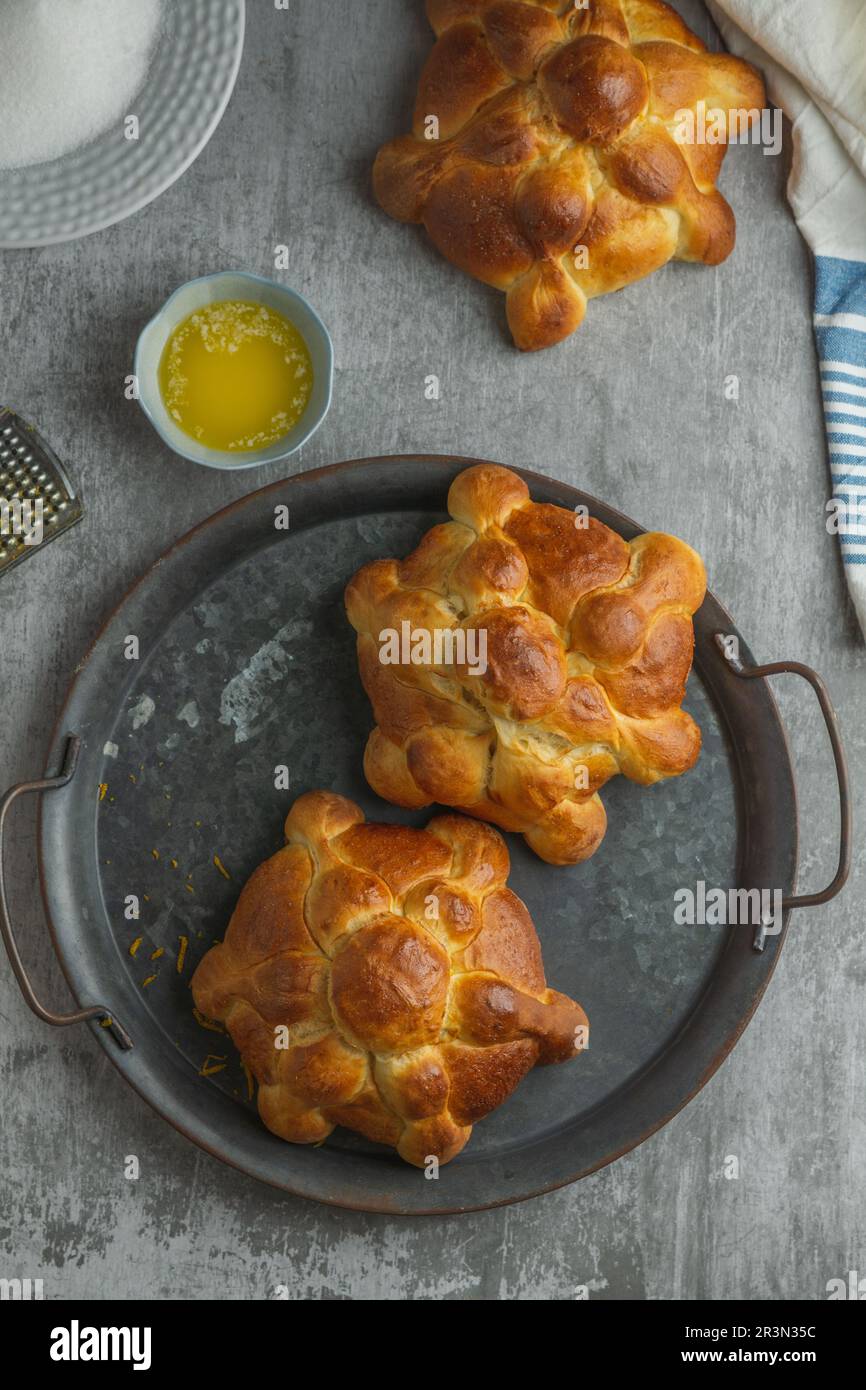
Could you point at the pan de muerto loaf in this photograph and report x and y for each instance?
(561, 151)
(521, 656)
(385, 979)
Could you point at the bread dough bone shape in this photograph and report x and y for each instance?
(401, 976)
(588, 643)
(562, 152)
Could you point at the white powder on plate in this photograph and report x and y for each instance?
(69, 70)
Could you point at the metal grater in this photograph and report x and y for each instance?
(34, 491)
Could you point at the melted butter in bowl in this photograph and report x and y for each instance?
(236, 375)
(234, 371)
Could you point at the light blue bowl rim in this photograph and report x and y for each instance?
(271, 284)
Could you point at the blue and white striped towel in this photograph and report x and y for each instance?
(840, 328)
(813, 54)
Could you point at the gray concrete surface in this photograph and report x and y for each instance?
(633, 410)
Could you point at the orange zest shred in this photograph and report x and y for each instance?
(181, 952)
(212, 1063)
(149, 981)
(160, 951)
(103, 788)
(133, 950)
(218, 864)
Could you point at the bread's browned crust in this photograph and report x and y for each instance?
(384, 979)
(557, 128)
(589, 645)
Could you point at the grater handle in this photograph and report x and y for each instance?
(97, 1011)
(796, 668)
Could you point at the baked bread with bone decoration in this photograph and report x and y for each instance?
(560, 152)
(385, 979)
(587, 645)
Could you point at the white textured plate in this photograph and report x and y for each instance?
(180, 106)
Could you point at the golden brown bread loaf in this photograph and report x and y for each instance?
(589, 643)
(561, 128)
(407, 977)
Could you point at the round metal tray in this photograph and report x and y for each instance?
(245, 662)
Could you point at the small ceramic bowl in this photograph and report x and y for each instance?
(233, 284)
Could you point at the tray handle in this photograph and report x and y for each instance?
(796, 668)
(105, 1016)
